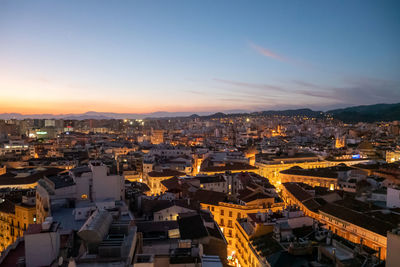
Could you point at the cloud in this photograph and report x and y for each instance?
(268, 53)
(355, 91)
(194, 92)
(251, 85)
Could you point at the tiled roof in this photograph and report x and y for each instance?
(229, 166)
(331, 172)
(210, 179)
(208, 197)
(192, 227)
(357, 218)
(252, 197)
(157, 205)
(10, 179)
(7, 206)
(297, 191)
(165, 173)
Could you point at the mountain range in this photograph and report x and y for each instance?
(366, 113)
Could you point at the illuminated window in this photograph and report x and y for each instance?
(84, 196)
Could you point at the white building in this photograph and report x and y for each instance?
(393, 197)
(42, 243)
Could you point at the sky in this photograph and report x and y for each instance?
(144, 56)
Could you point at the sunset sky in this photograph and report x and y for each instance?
(144, 56)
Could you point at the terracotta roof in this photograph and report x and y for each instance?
(174, 183)
(297, 191)
(255, 196)
(10, 179)
(7, 206)
(192, 227)
(208, 197)
(312, 204)
(229, 166)
(165, 173)
(150, 206)
(210, 179)
(360, 219)
(330, 172)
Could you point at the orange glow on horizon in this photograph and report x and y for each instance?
(75, 107)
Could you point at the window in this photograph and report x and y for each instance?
(212, 208)
(230, 223)
(230, 213)
(222, 212)
(221, 222)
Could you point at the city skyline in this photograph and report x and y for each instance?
(141, 57)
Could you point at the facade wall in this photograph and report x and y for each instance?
(13, 225)
(393, 255)
(272, 171)
(106, 186)
(393, 198)
(355, 233)
(154, 183)
(169, 214)
(41, 249)
(331, 183)
(226, 215)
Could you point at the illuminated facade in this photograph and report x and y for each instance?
(345, 227)
(157, 137)
(329, 180)
(226, 214)
(14, 220)
(153, 180)
(392, 156)
(351, 225)
(272, 169)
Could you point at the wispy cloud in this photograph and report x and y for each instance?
(247, 85)
(354, 91)
(268, 53)
(194, 92)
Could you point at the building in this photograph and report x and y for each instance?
(324, 177)
(92, 184)
(226, 212)
(265, 229)
(15, 218)
(157, 137)
(271, 166)
(393, 197)
(353, 220)
(42, 243)
(393, 246)
(392, 156)
(153, 180)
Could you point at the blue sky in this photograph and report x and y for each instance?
(144, 56)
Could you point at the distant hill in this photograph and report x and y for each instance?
(294, 112)
(368, 113)
(98, 115)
